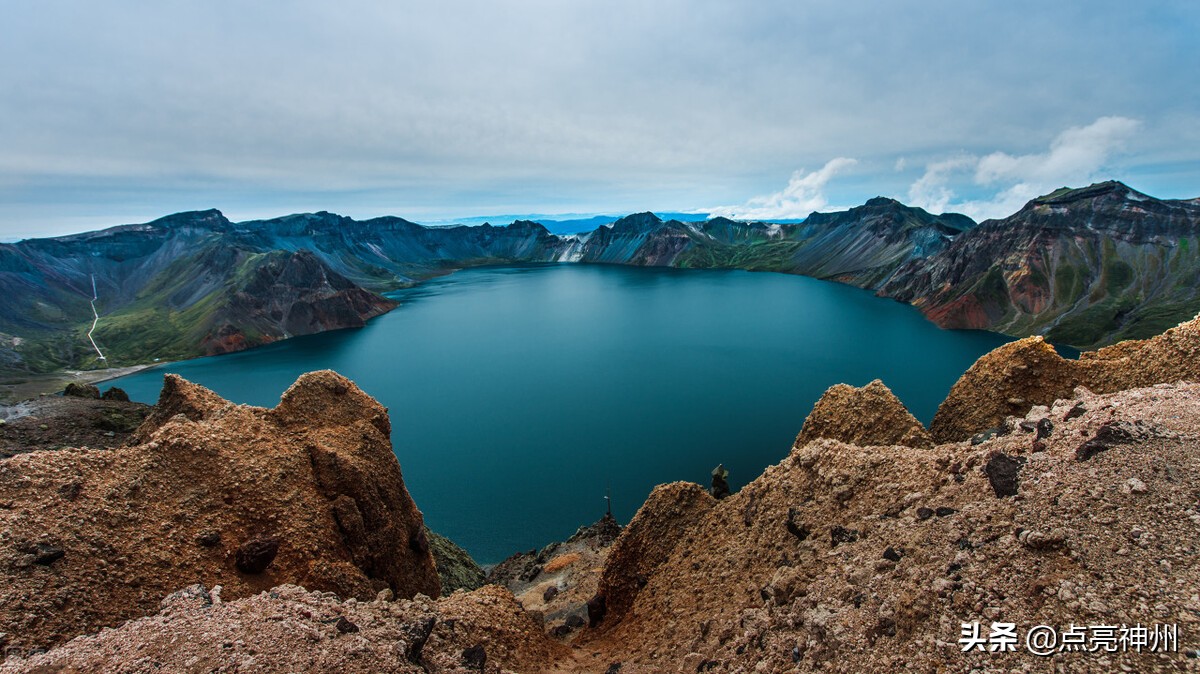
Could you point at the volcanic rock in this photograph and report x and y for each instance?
(871, 415)
(1013, 378)
(290, 629)
(456, 569)
(1083, 541)
(270, 481)
(649, 540)
(117, 394)
(1001, 472)
(82, 391)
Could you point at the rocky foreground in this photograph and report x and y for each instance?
(866, 549)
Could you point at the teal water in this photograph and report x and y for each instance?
(519, 394)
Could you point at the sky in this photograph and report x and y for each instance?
(125, 111)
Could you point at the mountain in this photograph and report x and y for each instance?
(1083, 267)
(194, 283)
(862, 246)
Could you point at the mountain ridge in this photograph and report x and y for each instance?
(1084, 266)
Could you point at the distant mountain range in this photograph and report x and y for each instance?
(1085, 267)
(563, 224)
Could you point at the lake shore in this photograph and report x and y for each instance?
(16, 390)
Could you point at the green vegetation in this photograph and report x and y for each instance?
(992, 292)
(758, 256)
(1092, 325)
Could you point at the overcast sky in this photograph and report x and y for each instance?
(124, 111)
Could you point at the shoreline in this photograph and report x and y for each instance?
(33, 386)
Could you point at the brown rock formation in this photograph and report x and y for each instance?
(662, 521)
(309, 492)
(292, 630)
(1013, 378)
(871, 415)
(558, 581)
(851, 559)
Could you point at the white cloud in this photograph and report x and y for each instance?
(1076, 157)
(930, 191)
(803, 195)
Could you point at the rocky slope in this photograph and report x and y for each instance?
(1015, 377)
(871, 415)
(215, 493)
(82, 418)
(556, 583)
(290, 629)
(846, 558)
(851, 559)
(456, 570)
(1083, 267)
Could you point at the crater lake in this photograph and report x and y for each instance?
(520, 395)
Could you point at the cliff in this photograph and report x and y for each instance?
(1083, 267)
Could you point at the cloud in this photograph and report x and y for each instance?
(930, 191)
(803, 195)
(1077, 156)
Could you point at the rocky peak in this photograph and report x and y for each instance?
(212, 219)
(883, 202)
(871, 415)
(179, 396)
(888, 216)
(1106, 189)
(637, 223)
(1112, 207)
(528, 227)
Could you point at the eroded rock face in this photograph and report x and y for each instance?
(648, 541)
(456, 569)
(1013, 378)
(290, 629)
(871, 415)
(868, 559)
(247, 498)
(1006, 381)
(1085, 267)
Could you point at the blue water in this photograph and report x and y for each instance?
(519, 394)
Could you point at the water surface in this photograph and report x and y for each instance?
(518, 395)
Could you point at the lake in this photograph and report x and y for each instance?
(519, 395)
